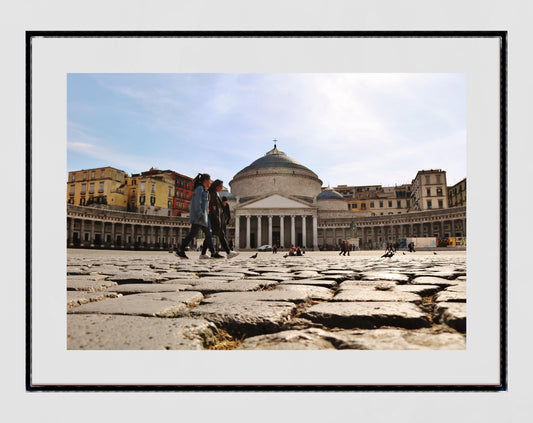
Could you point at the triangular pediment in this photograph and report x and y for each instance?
(275, 201)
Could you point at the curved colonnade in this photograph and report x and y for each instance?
(91, 227)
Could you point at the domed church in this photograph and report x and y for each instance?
(278, 201)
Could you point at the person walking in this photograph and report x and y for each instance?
(198, 215)
(343, 246)
(216, 221)
(226, 216)
(347, 248)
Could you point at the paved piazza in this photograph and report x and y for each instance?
(118, 300)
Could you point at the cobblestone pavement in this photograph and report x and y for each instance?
(119, 300)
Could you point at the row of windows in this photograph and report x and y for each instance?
(381, 204)
(84, 188)
(439, 191)
(91, 200)
(430, 204)
(428, 179)
(179, 183)
(93, 175)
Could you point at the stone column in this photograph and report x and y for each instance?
(442, 228)
(304, 230)
(269, 230)
(248, 232)
(92, 233)
(71, 231)
(452, 223)
(123, 235)
(293, 231)
(259, 231)
(132, 243)
(112, 234)
(315, 233)
(237, 233)
(281, 231)
(82, 230)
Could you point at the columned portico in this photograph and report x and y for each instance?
(277, 231)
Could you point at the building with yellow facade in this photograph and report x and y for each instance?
(104, 186)
(457, 194)
(151, 192)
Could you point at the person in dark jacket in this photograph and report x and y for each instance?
(227, 215)
(343, 247)
(199, 215)
(216, 220)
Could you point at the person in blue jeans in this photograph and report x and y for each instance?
(199, 215)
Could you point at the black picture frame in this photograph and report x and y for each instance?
(501, 35)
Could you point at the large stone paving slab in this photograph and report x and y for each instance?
(105, 270)
(167, 304)
(308, 339)
(76, 298)
(111, 332)
(385, 276)
(376, 339)
(367, 315)
(246, 318)
(431, 280)
(398, 339)
(272, 276)
(312, 292)
(77, 270)
(453, 294)
(452, 314)
(294, 293)
(210, 286)
(88, 283)
(326, 283)
(143, 288)
(231, 298)
(368, 293)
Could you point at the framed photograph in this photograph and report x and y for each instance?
(448, 87)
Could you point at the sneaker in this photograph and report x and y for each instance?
(204, 256)
(181, 254)
(232, 254)
(216, 256)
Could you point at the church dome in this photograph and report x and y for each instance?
(329, 194)
(274, 159)
(275, 173)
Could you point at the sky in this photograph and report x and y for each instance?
(351, 129)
